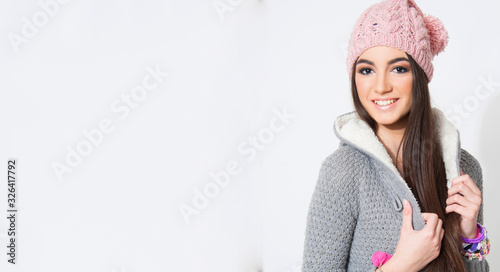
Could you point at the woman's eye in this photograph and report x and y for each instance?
(365, 71)
(400, 69)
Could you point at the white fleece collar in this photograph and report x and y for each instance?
(351, 129)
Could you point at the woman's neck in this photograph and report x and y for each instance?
(391, 138)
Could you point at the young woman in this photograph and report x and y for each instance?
(399, 194)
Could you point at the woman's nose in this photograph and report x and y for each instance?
(382, 85)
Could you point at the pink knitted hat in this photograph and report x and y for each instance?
(402, 25)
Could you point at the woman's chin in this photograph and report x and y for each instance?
(392, 122)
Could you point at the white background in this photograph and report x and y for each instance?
(229, 73)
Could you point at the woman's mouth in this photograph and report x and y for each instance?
(385, 104)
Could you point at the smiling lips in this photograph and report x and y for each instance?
(385, 104)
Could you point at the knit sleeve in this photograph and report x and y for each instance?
(332, 214)
(470, 166)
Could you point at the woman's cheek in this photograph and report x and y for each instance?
(363, 86)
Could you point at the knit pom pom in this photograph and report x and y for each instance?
(438, 34)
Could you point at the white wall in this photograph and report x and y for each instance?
(262, 68)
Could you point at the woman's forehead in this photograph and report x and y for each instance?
(382, 52)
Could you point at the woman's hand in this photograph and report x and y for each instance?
(416, 249)
(465, 199)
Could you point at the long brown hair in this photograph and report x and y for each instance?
(423, 166)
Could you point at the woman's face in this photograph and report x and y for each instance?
(384, 82)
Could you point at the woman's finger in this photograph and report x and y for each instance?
(439, 226)
(465, 179)
(466, 213)
(441, 234)
(461, 188)
(462, 201)
(460, 193)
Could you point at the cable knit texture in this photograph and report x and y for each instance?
(356, 208)
(399, 24)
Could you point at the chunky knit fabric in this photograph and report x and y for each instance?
(356, 208)
(399, 24)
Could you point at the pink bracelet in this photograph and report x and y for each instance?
(479, 236)
(379, 258)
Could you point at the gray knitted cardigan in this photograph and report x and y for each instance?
(356, 207)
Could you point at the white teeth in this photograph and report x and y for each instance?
(384, 102)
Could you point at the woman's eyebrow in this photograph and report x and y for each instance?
(398, 59)
(364, 61)
(390, 62)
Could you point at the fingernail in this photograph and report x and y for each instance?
(406, 206)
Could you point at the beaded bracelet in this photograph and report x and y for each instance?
(476, 248)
